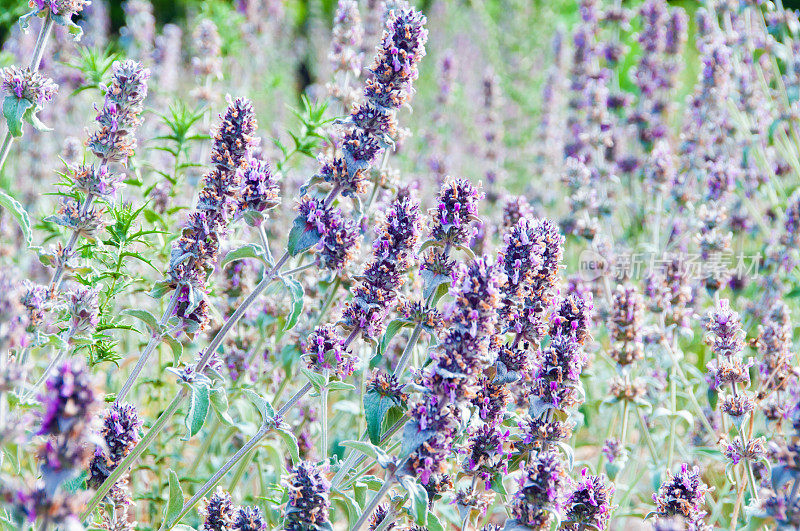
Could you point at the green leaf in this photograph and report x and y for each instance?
(375, 408)
(434, 524)
(291, 443)
(250, 250)
(175, 503)
(316, 379)
(391, 330)
(419, 499)
(31, 118)
(340, 386)
(16, 209)
(219, 402)
(160, 289)
(146, 317)
(297, 295)
(177, 348)
(263, 406)
(198, 410)
(301, 237)
(14, 110)
(364, 447)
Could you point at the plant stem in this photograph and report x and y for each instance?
(155, 340)
(244, 450)
(58, 274)
(211, 483)
(241, 469)
(406, 356)
(697, 409)
(323, 404)
(373, 503)
(673, 392)
(329, 297)
(354, 459)
(650, 445)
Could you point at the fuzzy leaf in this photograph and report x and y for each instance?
(14, 110)
(31, 118)
(291, 443)
(250, 250)
(16, 209)
(375, 408)
(175, 503)
(316, 379)
(198, 409)
(177, 348)
(146, 317)
(219, 402)
(365, 448)
(301, 237)
(160, 289)
(391, 330)
(263, 406)
(340, 386)
(296, 294)
(419, 499)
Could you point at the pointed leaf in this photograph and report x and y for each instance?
(250, 250)
(297, 296)
(16, 209)
(175, 503)
(198, 409)
(146, 317)
(301, 237)
(14, 110)
(375, 408)
(263, 406)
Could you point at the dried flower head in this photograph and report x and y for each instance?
(218, 512)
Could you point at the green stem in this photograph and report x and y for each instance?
(323, 404)
(644, 431)
(241, 469)
(155, 340)
(329, 297)
(406, 357)
(373, 503)
(673, 393)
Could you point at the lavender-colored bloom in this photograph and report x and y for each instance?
(774, 346)
(491, 399)
(487, 452)
(539, 290)
(260, 191)
(791, 223)
(218, 512)
(87, 223)
(557, 373)
(392, 252)
(589, 503)
(249, 519)
(120, 115)
(309, 504)
(325, 350)
(207, 61)
(456, 211)
(120, 433)
(94, 180)
(458, 360)
(515, 208)
(572, 317)
(26, 85)
(372, 123)
(682, 494)
(195, 253)
(345, 54)
(65, 9)
(540, 491)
